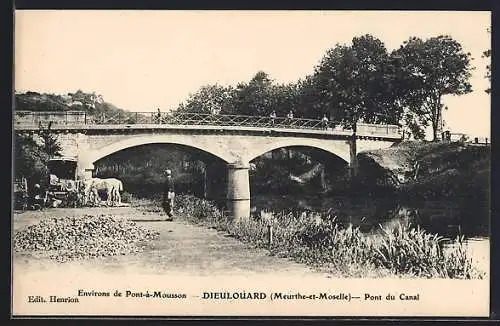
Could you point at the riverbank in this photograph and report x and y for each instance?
(181, 249)
(429, 170)
(192, 260)
(319, 241)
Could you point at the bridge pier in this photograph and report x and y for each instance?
(238, 190)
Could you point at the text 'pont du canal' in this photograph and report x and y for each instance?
(237, 295)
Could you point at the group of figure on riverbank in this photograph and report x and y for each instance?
(88, 192)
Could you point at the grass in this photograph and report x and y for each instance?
(343, 250)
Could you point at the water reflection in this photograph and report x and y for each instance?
(447, 218)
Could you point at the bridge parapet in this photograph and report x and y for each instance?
(81, 121)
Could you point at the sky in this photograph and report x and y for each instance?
(142, 60)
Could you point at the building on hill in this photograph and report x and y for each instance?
(66, 98)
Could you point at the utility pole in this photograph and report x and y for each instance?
(205, 186)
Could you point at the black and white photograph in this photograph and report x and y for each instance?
(251, 163)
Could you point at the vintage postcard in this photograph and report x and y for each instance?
(251, 163)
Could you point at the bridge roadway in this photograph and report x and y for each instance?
(236, 140)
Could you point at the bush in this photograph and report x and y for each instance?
(332, 244)
(196, 209)
(126, 197)
(412, 251)
(405, 250)
(458, 264)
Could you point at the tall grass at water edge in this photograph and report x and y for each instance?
(318, 240)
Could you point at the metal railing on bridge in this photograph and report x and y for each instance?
(81, 118)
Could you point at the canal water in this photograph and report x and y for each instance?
(446, 218)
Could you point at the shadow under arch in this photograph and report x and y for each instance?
(141, 167)
(295, 171)
(319, 153)
(100, 153)
(195, 152)
(336, 149)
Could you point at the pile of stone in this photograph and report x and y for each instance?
(69, 238)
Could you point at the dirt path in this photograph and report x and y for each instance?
(181, 249)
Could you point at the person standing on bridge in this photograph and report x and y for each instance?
(324, 122)
(273, 117)
(169, 195)
(158, 116)
(289, 117)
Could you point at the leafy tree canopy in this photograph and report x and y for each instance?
(433, 68)
(208, 99)
(354, 82)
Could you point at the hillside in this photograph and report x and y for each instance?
(431, 170)
(78, 101)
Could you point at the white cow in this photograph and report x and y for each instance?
(111, 186)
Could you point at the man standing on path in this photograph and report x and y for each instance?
(168, 196)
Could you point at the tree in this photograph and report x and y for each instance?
(254, 98)
(309, 103)
(283, 98)
(432, 69)
(353, 83)
(32, 153)
(208, 99)
(51, 145)
(30, 159)
(403, 92)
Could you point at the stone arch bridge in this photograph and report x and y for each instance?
(236, 145)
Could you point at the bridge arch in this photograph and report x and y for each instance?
(341, 150)
(91, 157)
